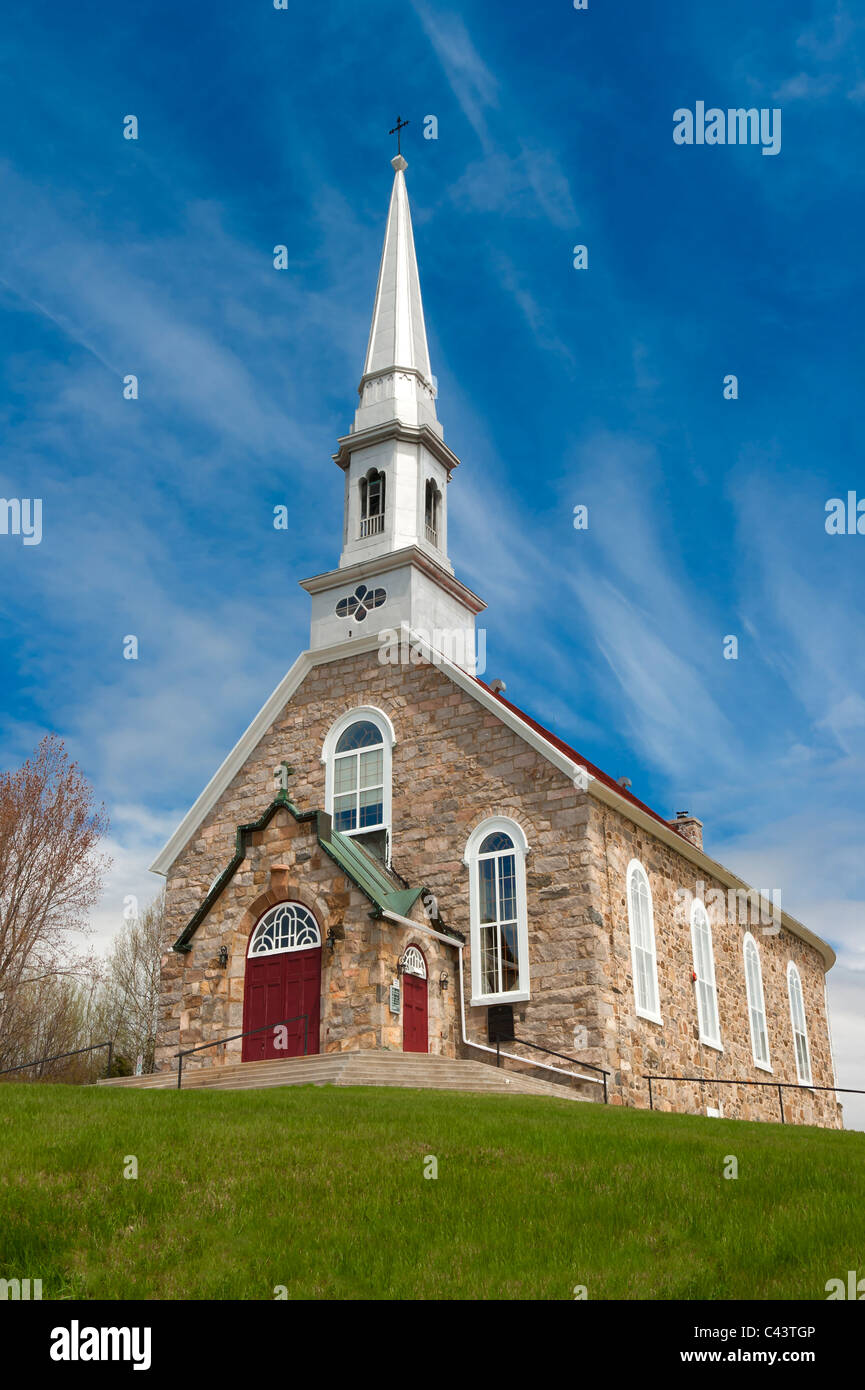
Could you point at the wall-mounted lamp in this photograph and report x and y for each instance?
(331, 939)
(223, 957)
(444, 981)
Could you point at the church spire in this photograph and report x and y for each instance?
(394, 570)
(397, 382)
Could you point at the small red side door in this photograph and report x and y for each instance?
(415, 1021)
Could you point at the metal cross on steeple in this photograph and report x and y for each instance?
(396, 131)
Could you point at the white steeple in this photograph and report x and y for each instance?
(396, 373)
(394, 567)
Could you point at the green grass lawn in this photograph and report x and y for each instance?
(323, 1190)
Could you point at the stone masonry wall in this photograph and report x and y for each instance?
(203, 1002)
(637, 1045)
(454, 765)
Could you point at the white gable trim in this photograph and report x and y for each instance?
(571, 769)
(232, 765)
(221, 779)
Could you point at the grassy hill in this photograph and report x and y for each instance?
(322, 1190)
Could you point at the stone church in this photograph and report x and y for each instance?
(394, 857)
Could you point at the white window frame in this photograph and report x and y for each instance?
(432, 515)
(805, 1078)
(698, 912)
(635, 869)
(372, 523)
(471, 859)
(304, 912)
(414, 962)
(758, 1006)
(377, 717)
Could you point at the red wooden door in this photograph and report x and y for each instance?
(279, 986)
(415, 1022)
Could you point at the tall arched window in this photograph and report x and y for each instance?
(372, 503)
(643, 955)
(432, 512)
(704, 970)
(800, 1030)
(357, 757)
(496, 858)
(756, 1004)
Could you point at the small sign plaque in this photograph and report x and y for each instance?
(394, 999)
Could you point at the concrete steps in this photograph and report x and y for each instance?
(404, 1069)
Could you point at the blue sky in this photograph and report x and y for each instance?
(556, 387)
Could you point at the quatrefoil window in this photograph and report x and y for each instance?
(361, 602)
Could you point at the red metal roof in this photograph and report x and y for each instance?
(577, 757)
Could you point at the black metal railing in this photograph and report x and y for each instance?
(76, 1052)
(265, 1028)
(589, 1066)
(779, 1086)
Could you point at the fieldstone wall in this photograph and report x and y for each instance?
(203, 1002)
(637, 1045)
(454, 765)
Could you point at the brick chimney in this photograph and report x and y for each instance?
(688, 827)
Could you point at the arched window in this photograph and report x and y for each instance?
(756, 1004)
(496, 858)
(432, 511)
(413, 962)
(358, 778)
(357, 757)
(643, 956)
(800, 1031)
(286, 927)
(372, 503)
(704, 970)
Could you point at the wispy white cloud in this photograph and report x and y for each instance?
(518, 174)
(472, 83)
(827, 39)
(114, 302)
(529, 184)
(805, 86)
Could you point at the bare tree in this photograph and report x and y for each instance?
(126, 1009)
(50, 1018)
(50, 874)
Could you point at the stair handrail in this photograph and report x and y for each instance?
(574, 1061)
(779, 1086)
(40, 1061)
(265, 1028)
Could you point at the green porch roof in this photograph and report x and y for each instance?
(371, 877)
